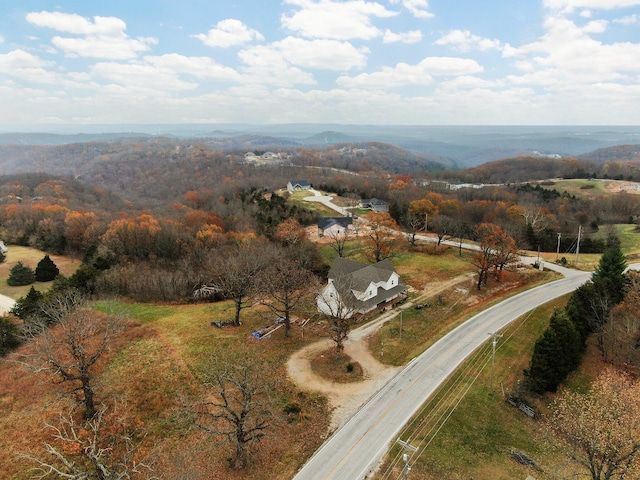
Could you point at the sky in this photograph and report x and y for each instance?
(382, 62)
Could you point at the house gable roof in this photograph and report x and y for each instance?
(373, 201)
(300, 183)
(327, 222)
(359, 275)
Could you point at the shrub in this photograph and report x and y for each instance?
(21, 274)
(46, 270)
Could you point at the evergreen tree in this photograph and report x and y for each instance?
(9, 338)
(21, 274)
(29, 305)
(555, 355)
(46, 270)
(579, 310)
(609, 275)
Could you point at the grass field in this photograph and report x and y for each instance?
(580, 187)
(468, 430)
(30, 257)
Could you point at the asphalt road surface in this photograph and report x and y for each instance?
(355, 450)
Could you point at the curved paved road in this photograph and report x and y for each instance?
(355, 450)
(6, 304)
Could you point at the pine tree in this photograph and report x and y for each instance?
(21, 274)
(609, 275)
(28, 305)
(556, 354)
(46, 270)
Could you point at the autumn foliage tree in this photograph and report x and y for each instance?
(496, 250)
(599, 430)
(381, 236)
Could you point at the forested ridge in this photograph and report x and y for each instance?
(165, 224)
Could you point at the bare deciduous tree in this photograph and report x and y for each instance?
(339, 305)
(100, 449)
(68, 341)
(237, 401)
(286, 283)
(339, 240)
(235, 276)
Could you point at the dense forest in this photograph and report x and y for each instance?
(159, 204)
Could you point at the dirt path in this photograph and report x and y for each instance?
(346, 398)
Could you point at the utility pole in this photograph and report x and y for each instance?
(407, 448)
(494, 342)
(558, 248)
(578, 245)
(400, 324)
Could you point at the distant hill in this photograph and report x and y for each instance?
(62, 139)
(618, 153)
(521, 169)
(464, 146)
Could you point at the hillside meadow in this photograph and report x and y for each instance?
(150, 369)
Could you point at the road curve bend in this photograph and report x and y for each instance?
(354, 451)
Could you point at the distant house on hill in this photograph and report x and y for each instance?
(357, 288)
(374, 204)
(298, 185)
(334, 225)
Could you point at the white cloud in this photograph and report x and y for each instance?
(331, 19)
(128, 77)
(266, 65)
(404, 74)
(75, 24)
(104, 37)
(26, 67)
(199, 67)
(596, 26)
(569, 6)
(321, 54)
(413, 36)
(418, 8)
(628, 20)
(464, 41)
(567, 51)
(229, 33)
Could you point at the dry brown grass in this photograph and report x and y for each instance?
(340, 369)
(149, 368)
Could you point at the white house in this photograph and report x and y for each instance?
(357, 288)
(297, 185)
